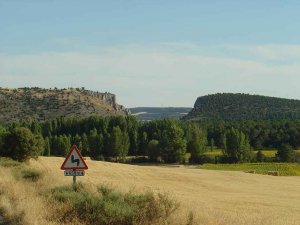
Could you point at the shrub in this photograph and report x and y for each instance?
(99, 158)
(297, 157)
(202, 159)
(260, 157)
(31, 174)
(139, 159)
(285, 153)
(109, 206)
(224, 159)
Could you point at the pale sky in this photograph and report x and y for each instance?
(150, 52)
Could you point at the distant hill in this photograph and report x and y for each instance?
(152, 113)
(37, 103)
(229, 106)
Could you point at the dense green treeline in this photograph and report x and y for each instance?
(261, 134)
(101, 137)
(163, 140)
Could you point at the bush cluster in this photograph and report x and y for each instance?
(112, 207)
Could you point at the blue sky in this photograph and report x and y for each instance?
(150, 52)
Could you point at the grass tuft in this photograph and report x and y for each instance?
(8, 162)
(31, 174)
(21, 170)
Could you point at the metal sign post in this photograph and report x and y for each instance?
(74, 183)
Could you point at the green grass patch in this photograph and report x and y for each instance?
(215, 152)
(284, 169)
(267, 152)
(108, 206)
(270, 153)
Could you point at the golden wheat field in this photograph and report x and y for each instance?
(214, 197)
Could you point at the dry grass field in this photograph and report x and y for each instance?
(214, 197)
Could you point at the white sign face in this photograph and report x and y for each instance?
(74, 160)
(74, 172)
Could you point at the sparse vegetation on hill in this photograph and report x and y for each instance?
(229, 106)
(26, 104)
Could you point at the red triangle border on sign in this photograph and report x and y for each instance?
(74, 147)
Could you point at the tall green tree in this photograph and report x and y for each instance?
(153, 150)
(237, 146)
(78, 141)
(21, 144)
(96, 144)
(211, 144)
(85, 145)
(36, 127)
(197, 143)
(60, 145)
(132, 130)
(172, 142)
(64, 145)
(2, 134)
(114, 142)
(47, 150)
(118, 143)
(143, 144)
(47, 128)
(125, 145)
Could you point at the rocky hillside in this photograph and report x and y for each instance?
(37, 103)
(229, 106)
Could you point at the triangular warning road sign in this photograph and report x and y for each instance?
(74, 160)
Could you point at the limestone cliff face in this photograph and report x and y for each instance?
(108, 98)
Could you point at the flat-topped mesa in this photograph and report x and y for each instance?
(238, 106)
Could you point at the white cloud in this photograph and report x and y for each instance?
(282, 53)
(156, 76)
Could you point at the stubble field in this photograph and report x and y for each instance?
(214, 197)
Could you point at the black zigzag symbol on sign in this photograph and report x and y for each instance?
(73, 160)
